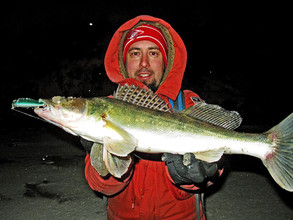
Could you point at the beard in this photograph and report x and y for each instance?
(152, 86)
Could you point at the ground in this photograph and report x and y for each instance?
(42, 177)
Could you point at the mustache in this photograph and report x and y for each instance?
(144, 70)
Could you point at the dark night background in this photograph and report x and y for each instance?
(238, 57)
(238, 52)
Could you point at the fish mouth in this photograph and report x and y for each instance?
(46, 111)
(44, 107)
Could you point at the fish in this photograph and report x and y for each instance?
(135, 119)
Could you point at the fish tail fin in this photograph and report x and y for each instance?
(279, 161)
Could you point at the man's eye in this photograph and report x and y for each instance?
(153, 53)
(135, 53)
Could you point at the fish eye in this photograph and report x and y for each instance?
(57, 99)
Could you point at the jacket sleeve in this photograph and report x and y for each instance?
(108, 185)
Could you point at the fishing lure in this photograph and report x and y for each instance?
(27, 103)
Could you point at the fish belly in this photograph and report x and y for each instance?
(181, 143)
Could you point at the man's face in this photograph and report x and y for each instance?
(144, 62)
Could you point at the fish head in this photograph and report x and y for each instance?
(62, 111)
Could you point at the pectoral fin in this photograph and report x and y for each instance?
(210, 155)
(119, 147)
(97, 159)
(116, 152)
(116, 165)
(105, 162)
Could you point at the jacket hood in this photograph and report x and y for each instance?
(177, 55)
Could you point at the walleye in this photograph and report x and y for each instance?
(138, 120)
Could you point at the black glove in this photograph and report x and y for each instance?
(86, 144)
(196, 172)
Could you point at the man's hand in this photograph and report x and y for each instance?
(195, 172)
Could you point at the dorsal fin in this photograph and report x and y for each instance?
(213, 114)
(141, 97)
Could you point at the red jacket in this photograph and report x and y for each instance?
(146, 191)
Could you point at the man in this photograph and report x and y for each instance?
(147, 52)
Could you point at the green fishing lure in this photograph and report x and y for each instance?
(27, 103)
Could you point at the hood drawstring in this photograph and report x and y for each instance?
(133, 201)
(142, 189)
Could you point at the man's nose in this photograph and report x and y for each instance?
(144, 61)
